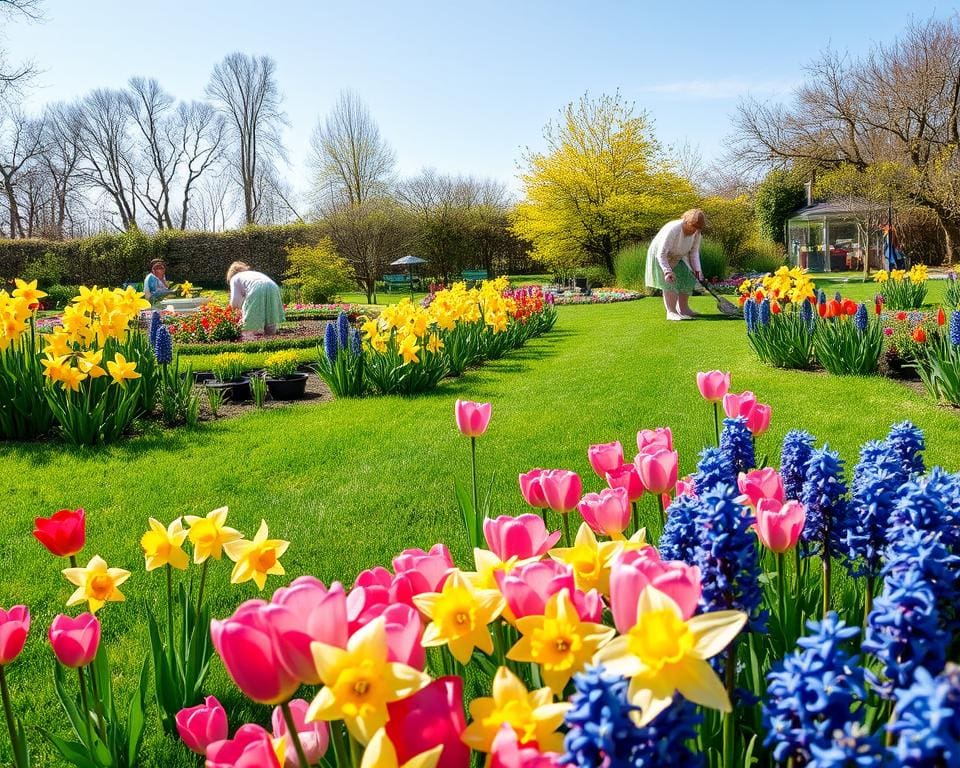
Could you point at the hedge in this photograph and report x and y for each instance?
(113, 259)
(266, 345)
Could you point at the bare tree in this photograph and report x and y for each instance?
(61, 157)
(350, 162)
(13, 76)
(212, 209)
(21, 140)
(202, 140)
(245, 91)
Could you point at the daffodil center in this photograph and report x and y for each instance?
(266, 559)
(556, 644)
(101, 586)
(518, 714)
(659, 638)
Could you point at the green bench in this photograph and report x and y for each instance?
(400, 281)
(471, 276)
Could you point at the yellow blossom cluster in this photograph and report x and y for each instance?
(916, 275)
(16, 309)
(787, 284)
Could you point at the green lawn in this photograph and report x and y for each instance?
(350, 483)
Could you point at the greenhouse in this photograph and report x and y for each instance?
(836, 235)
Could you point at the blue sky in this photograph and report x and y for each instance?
(463, 87)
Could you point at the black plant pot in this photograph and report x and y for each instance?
(290, 387)
(237, 391)
(201, 377)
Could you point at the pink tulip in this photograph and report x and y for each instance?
(758, 420)
(506, 752)
(760, 484)
(404, 630)
(637, 569)
(528, 587)
(686, 486)
(561, 489)
(250, 747)
(472, 418)
(531, 489)
(779, 525)
(314, 737)
(430, 717)
(523, 537)
(14, 627)
(626, 477)
(738, 405)
(303, 613)
(424, 571)
(607, 512)
(658, 471)
(75, 640)
(713, 385)
(649, 440)
(202, 725)
(368, 598)
(605, 457)
(246, 644)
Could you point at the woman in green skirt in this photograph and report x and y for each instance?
(673, 263)
(257, 297)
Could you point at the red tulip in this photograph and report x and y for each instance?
(14, 627)
(738, 405)
(246, 644)
(75, 640)
(878, 307)
(658, 471)
(901, 316)
(430, 717)
(919, 335)
(779, 525)
(472, 418)
(607, 512)
(775, 308)
(202, 725)
(649, 440)
(626, 477)
(605, 457)
(314, 737)
(63, 533)
(713, 385)
(849, 307)
(524, 536)
(250, 747)
(941, 317)
(561, 489)
(834, 308)
(635, 570)
(531, 489)
(822, 309)
(758, 420)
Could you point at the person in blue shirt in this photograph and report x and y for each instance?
(155, 283)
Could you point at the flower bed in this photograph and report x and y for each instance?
(903, 289)
(212, 323)
(597, 296)
(299, 311)
(688, 622)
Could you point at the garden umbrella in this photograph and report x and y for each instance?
(409, 262)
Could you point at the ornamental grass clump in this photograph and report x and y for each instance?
(902, 289)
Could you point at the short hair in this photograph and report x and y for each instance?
(156, 263)
(695, 218)
(237, 266)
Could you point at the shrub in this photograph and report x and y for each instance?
(762, 256)
(777, 196)
(281, 364)
(58, 296)
(730, 223)
(228, 366)
(317, 272)
(47, 269)
(596, 276)
(629, 266)
(713, 260)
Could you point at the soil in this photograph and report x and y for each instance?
(317, 392)
(298, 329)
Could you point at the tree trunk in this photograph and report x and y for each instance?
(951, 237)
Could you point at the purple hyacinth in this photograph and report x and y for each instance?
(955, 327)
(155, 323)
(163, 346)
(736, 442)
(852, 747)
(343, 330)
(356, 347)
(824, 495)
(908, 443)
(861, 318)
(750, 315)
(764, 315)
(806, 315)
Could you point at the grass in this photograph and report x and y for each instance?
(351, 483)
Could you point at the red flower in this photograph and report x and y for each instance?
(849, 307)
(919, 335)
(64, 533)
(834, 308)
(775, 308)
(878, 306)
(432, 716)
(941, 317)
(822, 309)
(901, 316)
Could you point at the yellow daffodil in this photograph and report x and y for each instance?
(256, 559)
(96, 583)
(89, 363)
(408, 349)
(186, 288)
(637, 541)
(559, 641)
(459, 616)
(121, 370)
(359, 681)
(663, 654)
(380, 753)
(589, 559)
(370, 328)
(487, 565)
(55, 368)
(435, 344)
(164, 546)
(71, 378)
(209, 534)
(28, 292)
(57, 344)
(533, 715)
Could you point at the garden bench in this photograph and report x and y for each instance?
(473, 276)
(399, 281)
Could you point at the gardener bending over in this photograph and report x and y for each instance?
(257, 297)
(673, 263)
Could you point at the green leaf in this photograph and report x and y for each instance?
(71, 751)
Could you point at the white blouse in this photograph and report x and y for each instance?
(671, 245)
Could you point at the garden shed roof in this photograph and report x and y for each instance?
(836, 207)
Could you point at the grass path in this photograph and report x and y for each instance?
(350, 483)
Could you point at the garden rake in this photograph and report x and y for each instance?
(726, 308)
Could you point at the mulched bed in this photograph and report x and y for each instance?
(317, 392)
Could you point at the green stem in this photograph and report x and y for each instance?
(355, 751)
(543, 514)
(636, 516)
(98, 706)
(500, 642)
(663, 513)
(826, 583)
(477, 536)
(339, 748)
(868, 600)
(170, 609)
(73, 561)
(11, 720)
(782, 588)
(728, 718)
(203, 583)
(566, 529)
(294, 734)
(716, 423)
(85, 701)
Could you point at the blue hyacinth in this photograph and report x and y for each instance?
(853, 747)
(794, 455)
(343, 330)
(806, 315)
(602, 733)
(927, 724)
(155, 323)
(907, 440)
(933, 505)
(163, 346)
(821, 297)
(330, 345)
(861, 317)
(823, 495)
(713, 469)
(811, 693)
(865, 523)
(736, 442)
(750, 315)
(955, 328)
(764, 314)
(908, 627)
(680, 534)
(356, 347)
(725, 550)
(838, 296)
